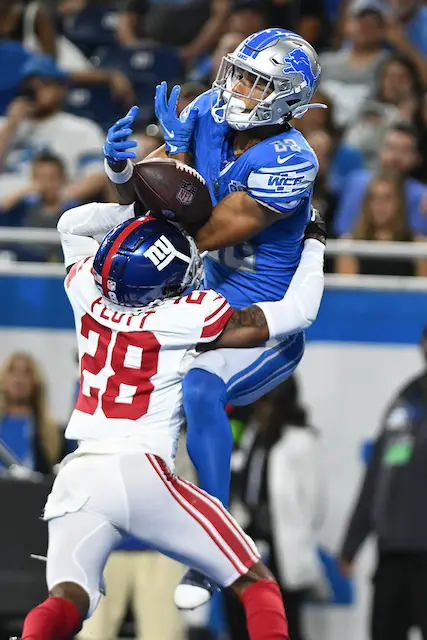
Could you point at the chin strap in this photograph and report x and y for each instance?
(298, 112)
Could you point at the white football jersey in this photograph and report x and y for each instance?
(132, 364)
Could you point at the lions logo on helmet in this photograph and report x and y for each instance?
(285, 72)
(299, 62)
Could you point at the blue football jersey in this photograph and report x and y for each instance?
(279, 173)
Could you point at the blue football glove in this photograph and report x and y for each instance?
(177, 131)
(117, 145)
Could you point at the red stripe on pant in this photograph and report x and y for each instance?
(206, 505)
(250, 545)
(167, 478)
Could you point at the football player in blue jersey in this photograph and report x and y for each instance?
(260, 172)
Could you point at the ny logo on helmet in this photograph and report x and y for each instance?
(162, 252)
(298, 61)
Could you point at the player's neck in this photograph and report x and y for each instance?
(244, 140)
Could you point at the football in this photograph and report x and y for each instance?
(173, 190)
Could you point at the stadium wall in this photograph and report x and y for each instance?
(363, 346)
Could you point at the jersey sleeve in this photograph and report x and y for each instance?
(216, 314)
(283, 179)
(78, 279)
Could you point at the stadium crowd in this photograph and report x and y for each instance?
(70, 70)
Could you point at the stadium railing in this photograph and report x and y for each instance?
(358, 248)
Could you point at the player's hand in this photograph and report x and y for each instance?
(316, 228)
(117, 143)
(177, 130)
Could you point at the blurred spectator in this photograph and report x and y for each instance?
(247, 18)
(400, 85)
(13, 57)
(279, 494)
(206, 69)
(345, 157)
(313, 24)
(35, 123)
(147, 141)
(399, 153)
(322, 143)
(27, 429)
(39, 204)
(189, 92)
(31, 23)
(407, 31)
(398, 97)
(15, 19)
(69, 7)
(201, 22)
(348, 75)
(281, 13)
(383, 217)
(391, 505)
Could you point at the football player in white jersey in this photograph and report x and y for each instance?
(137, 335)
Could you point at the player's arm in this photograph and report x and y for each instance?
(125, 191)
(298, 309)
(235, 219)
(82, 228)
(274, 191)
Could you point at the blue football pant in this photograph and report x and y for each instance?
(229, 376)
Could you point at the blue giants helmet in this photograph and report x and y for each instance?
(145, 259)
(281, 71)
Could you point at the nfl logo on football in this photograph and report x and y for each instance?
(186, 192)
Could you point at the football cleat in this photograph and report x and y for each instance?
(194, 590)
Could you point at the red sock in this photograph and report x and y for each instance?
(53, 619)
(265, 613)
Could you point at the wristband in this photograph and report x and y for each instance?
(119, 177)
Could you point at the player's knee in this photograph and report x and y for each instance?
(255, 574)
(75, 594)
(203, 390)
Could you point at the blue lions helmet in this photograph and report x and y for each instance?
(144, 260)
(284, 72)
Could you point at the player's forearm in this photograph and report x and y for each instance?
(83, 227)
(235, 219)
(255, 325)
(299, 307)
(120, 176)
